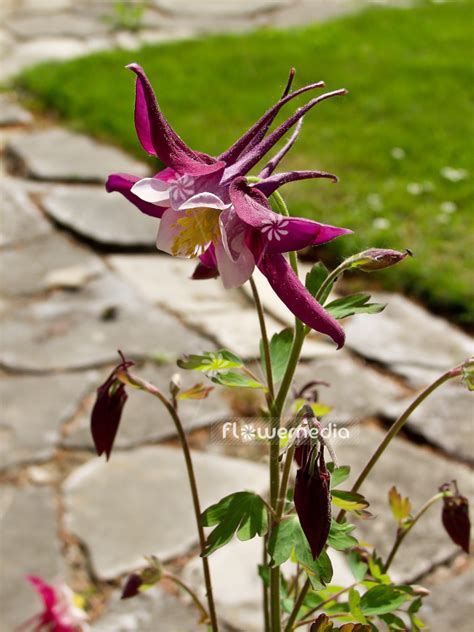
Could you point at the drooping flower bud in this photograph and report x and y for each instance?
(377, 259)
(141, 581)
(107, 411)
(313, 500)
(455, 516)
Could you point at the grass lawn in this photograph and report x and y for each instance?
(407, 118)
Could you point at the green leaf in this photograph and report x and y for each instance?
(315, 278)
(236, 380)
(415, 606)
(401, 507)
(211, 361)
(355, 607)
(382, 599)
(357, 565)
(198, 391)
(376, 566)
(349, 501)
(288, 540)
(280, 349)
(242, 512)
(393, 622)
(338, 474)
(353, 304)
(339, 535)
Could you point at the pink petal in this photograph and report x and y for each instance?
(296, 297)
(152, 190)
(157, 136)
(235, 273)
(123, 183)
(168, 231)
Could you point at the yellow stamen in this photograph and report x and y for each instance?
(200, 226)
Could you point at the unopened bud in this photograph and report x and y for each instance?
(175, 384)
(377, 259)
(455, 516)
(421, 591)
(468, 374)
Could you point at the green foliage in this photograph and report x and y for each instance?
(357, 565)
(338, 474)
(280, 348)
(210, 361)
(288, 541)
(339, 535)
(242, 512)
(349, 501)
(354, 304)
(314, 280)
(236, 380)
(410, 83)
(382, 599)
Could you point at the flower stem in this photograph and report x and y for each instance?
(296, 608)
(402, 533)
(153, 390)
(397, 426)
(308, 614)
(265, 343)
(190, 592)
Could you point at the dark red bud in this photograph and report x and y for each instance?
(132, 586)
(107, 411)
(455, 518)
(313, 502)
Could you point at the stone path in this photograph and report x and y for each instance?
(75, 288)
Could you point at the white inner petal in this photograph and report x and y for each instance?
(205, 200)
(152, 190)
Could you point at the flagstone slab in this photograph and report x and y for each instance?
(219, 8)
(450, 606)
(58, 154)
(100, 216)
(20, 220)
(404, 335)
(28, 545)
(139, 503)
(224, 315)
(445, 419)
(417, 473)
(142, 613)
(354, 392)
(47, 263)
(33, 409)
(144, 419)
(57, 24)
(13, 114)
(82, 329)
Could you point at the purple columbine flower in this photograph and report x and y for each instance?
(209, 210)
(107, 411)
(60, 614)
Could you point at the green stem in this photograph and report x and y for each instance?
(284, 481)
(402, 533)
(397, 426)
(297, 606)
(190, 592)
(265, 343)
(266, 610)
(153, 390)
(307, 621)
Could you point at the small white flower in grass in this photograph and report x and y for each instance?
(274, 228)
(397, 153)
(415, 188)
(381, 223)
(448, 207)
(454, 175)
(375, 202)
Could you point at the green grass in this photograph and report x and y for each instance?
(410, 80)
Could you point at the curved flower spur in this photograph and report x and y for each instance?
(209, 210)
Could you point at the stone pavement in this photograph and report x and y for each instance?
(81, 278)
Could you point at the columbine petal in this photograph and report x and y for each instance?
(278, 232)
(296, 297)
(207, 266)
(152, 190)
(158, 138)
(169, 230)
(250, 158)
(123, 183)
(272, 183)
(235, 273)
(204, 200)
(275, 161)
(259, 129)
